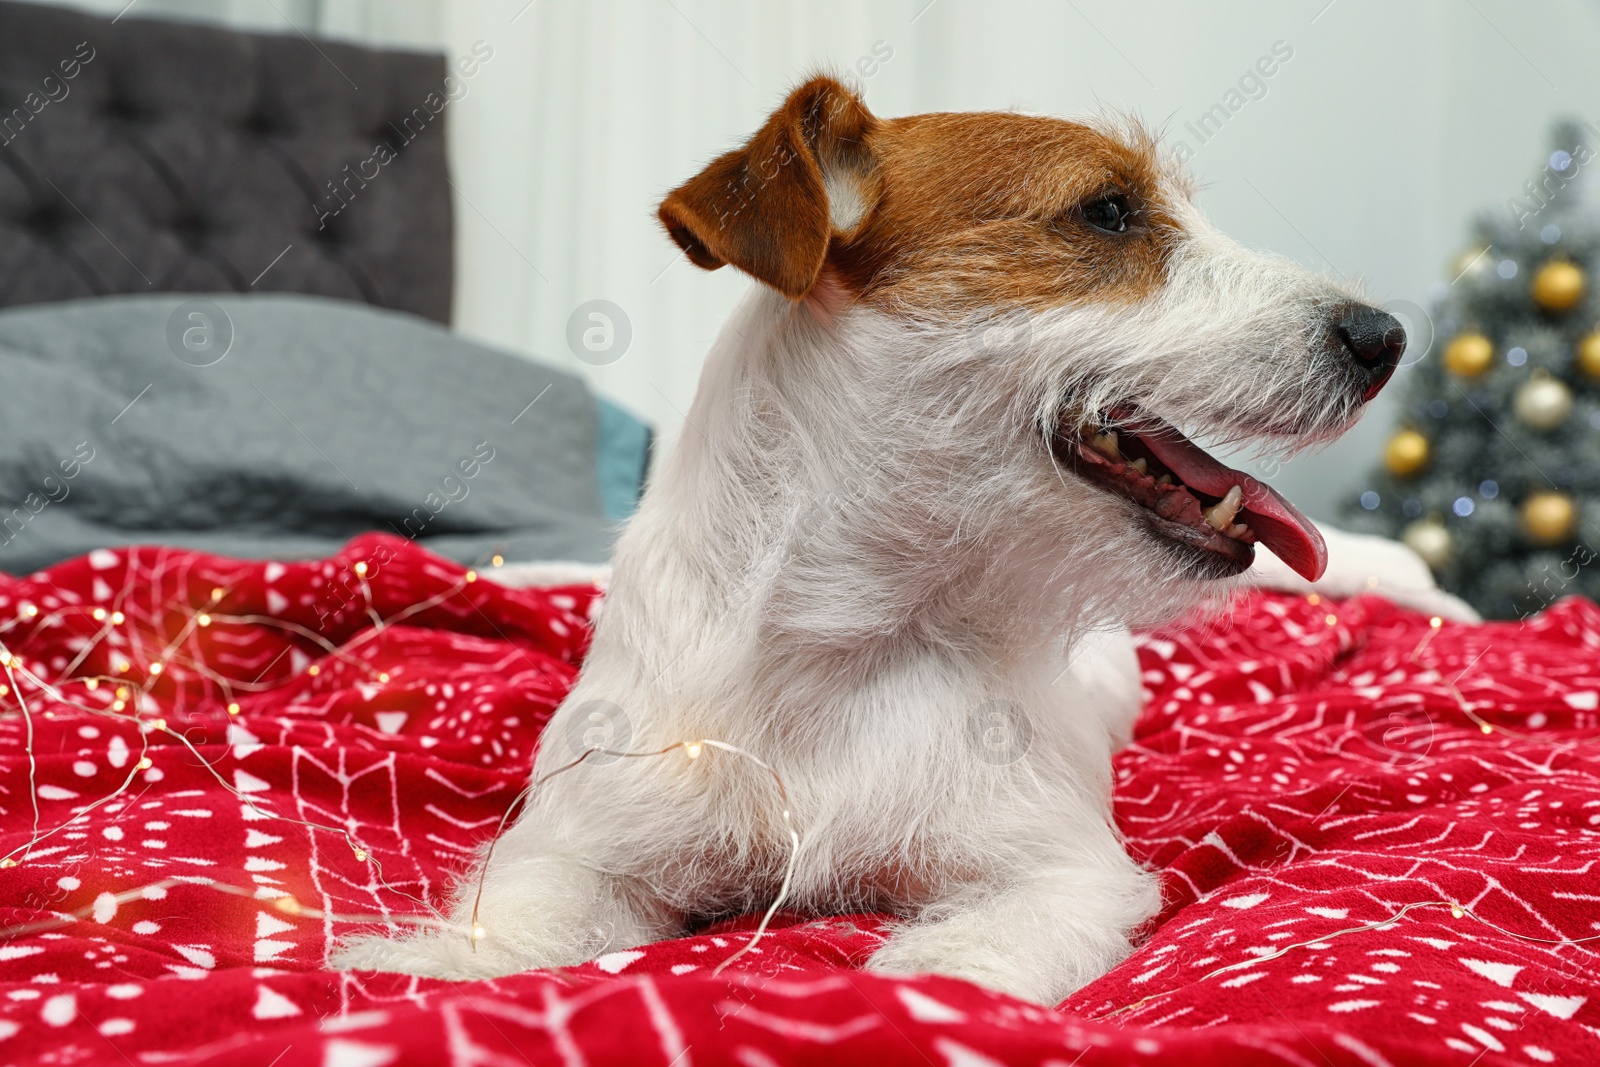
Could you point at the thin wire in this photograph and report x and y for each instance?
(33, 763)
(27, 848)
(794, 852)
(692, 750)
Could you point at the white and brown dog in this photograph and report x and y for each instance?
(883, 535)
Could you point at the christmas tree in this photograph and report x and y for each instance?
(1493, 475)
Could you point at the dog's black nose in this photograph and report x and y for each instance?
(1375, 338)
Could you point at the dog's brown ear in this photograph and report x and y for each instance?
(766, 207)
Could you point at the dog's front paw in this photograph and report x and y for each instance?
(1038, 940)
(430, 955)
(929, 950)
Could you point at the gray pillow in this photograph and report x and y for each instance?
(280, 426)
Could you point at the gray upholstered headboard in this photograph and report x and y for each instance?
(142, 156)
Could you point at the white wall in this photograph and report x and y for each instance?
(1391, 125)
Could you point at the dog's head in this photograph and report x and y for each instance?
(1121, 312)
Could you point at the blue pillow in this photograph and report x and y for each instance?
(622, 459)
(280, 426)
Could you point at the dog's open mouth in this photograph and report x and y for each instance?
(1192, 499)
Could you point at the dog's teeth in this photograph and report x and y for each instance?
(1165, 479)
(1238, 530)
(1139, 465)
(1220, 515)
(1107, 443)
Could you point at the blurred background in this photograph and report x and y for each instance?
(1365, 153)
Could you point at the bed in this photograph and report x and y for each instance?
(233, 315)
(229, 736)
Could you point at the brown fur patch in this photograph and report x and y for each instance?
(955, 212)
(764, 207)
(981, 210)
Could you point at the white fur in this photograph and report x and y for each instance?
(857, 552)
(1361, 563)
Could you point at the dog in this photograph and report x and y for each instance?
(932, 474)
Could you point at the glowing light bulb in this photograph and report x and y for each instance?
(1372, 582)
(361, 855)
(29, 610)
(146, 763)
(1486, 728)
(155, 668)
(92, 684)
(1313, 600)
(361, 570)
(233, 709)
(161, 724)
(313, 670)
(4, 690)
(122, 692)
(1457, 910)
(124, 667)
(216, 595)
(692, 749)
(287, 905)
(383, 676)
(472, 576)
(8, 862)
(203, 619)
(118, 618)
(99, 614)
(498, 560)
(118, 705)
(1436, 622)
(478, 932)
(1331, 620)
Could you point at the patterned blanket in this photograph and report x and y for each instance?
(1378, 839)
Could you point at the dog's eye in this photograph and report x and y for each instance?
(1110, 214)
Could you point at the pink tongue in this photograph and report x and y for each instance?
(1276, 522)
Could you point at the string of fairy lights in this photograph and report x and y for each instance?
(129, 703)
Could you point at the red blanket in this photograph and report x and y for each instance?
(1303, 770)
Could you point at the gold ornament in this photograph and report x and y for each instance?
(1549, 517)
(1558, 285)
(1587, 356)
(1471, 263)
(1429, 539)
(1543, 402)
(1469, 354)
(1406, 453)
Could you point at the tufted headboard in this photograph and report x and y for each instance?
(142, 156)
